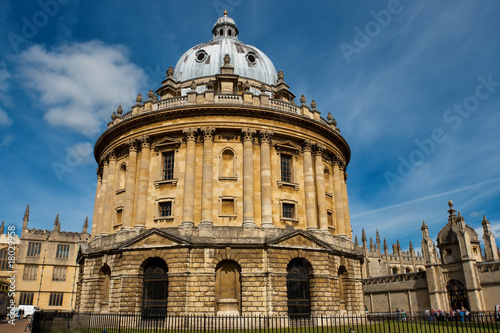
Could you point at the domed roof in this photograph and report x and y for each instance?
(206, 59)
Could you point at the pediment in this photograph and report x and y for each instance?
(287, 146)
(300, 239)
(153, 238)
(167, 143)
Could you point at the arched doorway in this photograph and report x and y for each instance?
(155, 287)
(457, 294)
(228, 288)
(297, 286)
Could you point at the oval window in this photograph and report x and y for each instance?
(201, 56)
(251, 58)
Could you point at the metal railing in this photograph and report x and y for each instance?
(392, 323)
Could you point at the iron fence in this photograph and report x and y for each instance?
(370, 323)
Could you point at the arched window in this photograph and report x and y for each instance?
(105, 280)
(342, 273)
(229, 32)
(408, 269)
(457, 294)
(228, 288)
(395, 270)
(155, 287)
(227, 160)
(297, 286)
(122, 177)
(221, 32)
(328, 188)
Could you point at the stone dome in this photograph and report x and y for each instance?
(206, 59)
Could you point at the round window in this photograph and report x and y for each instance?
(201, 56)
(251, 58)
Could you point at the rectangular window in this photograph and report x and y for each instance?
(227, 207)
(56, 299)
(26, 299)
(165, 208)
(3, 259)
(62, 251)
(30, 272)
(168, 165)
(59, 274)
(286, 168)
(288, 210)
(34, 249)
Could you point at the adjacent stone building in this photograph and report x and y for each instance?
(8, 248)
(47, 271)
(454, 273)
(218, 194)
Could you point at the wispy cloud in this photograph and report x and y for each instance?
(4, 82)
(80, 84)
(4, 119)
(428, 197)
(6, 140)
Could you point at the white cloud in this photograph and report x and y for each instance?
(80, 84)
(6, 140)
(4, 119)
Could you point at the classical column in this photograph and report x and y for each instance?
(309, 187)
(347, 218)
(97, 204)
(265, 179)
(339, 205)
(207, 176)
(142, 188)
(320, 187)
(248, 209)
(102, 197)
(110, 195)
(189, 178)
(128, 214)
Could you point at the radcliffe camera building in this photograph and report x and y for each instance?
(218, 194)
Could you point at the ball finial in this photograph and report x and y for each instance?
(225, 12)
(450, 204)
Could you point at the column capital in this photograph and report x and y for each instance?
(265, 136)
(132, 145)
(318, 149)
(145, 141)
(111, 156)
(208, 133)
(190, 133)
(307, 145)
(338, 161)
(248, 133)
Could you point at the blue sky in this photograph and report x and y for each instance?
(414, 86)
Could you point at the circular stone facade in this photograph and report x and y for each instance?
(229, 191)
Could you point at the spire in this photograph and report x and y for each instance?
(2, 228)
(26, 217)
(85, 225)
(489, 242)
(371, 243)
(397, 244)
(57, 225)
(363, 237)
(356, 243)
(411, 247)
(385, 245)
(424, 226)
(377, 239)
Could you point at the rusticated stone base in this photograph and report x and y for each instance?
(258, 286)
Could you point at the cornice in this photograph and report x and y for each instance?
(215, 110)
